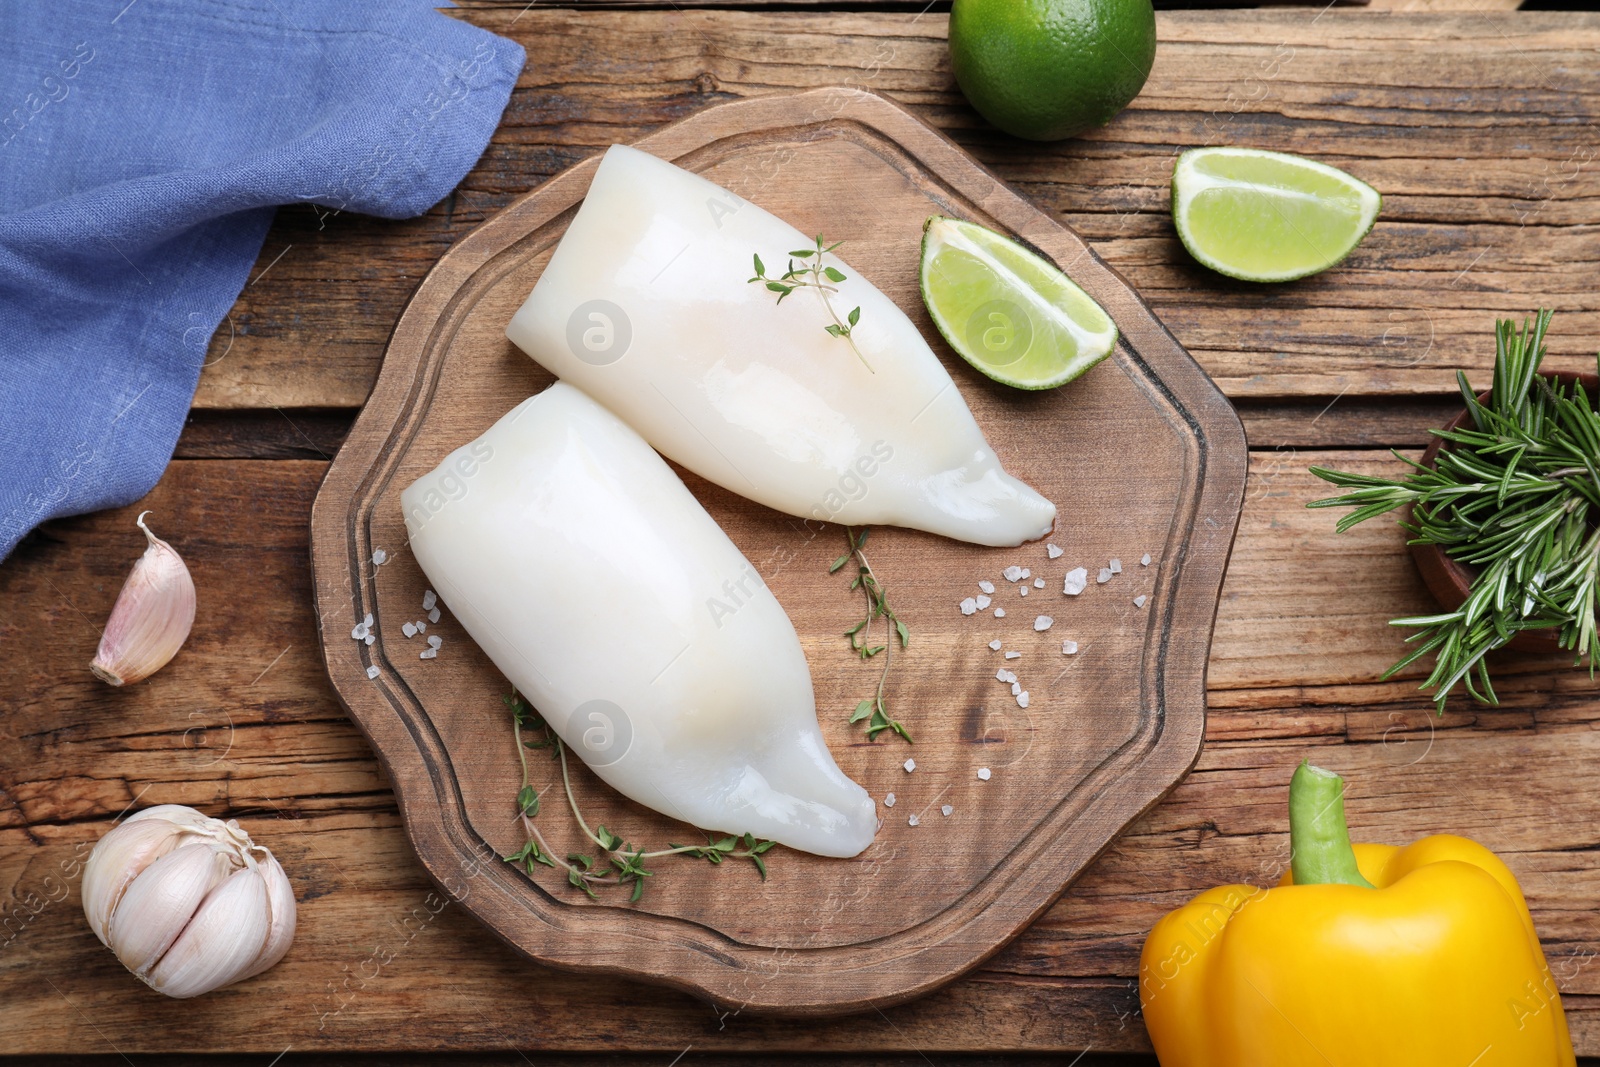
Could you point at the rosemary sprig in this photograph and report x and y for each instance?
(873, 709)
(619, 863)
(812, 273)
(1516, 497)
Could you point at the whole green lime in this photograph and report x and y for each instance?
(1048, 69)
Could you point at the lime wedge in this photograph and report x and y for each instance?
(1008, 312)
(1267, 216)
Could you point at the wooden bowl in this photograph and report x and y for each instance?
(1449, 580)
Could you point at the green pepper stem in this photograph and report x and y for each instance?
(1319, 840)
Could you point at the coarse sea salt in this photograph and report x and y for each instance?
(946, 810)
(1077, 581)
(888, 801)
(995, 645)
(1105, 575)
(1139, 600)
(987, 587)
(1038, 583)
(1144, 560)
(999, 613)
(428, 653)
(1023, 590)
(1013, 573)
(379, 557)
(1069, 648)
(409, 629)
(1016, 687)
(433, 616)
(912, 821)
(983, 774)
(372, 671)
(429, 599)
(910, 765)
(1054, 552)
(983, 601)
(1116, 566)
(968, 606)
(422, 627)
(1013, 655)
(1043, 622)
(1022, 699)
(435, 641)
(1026, 574)
(1003, 675)
(359, 631)
(371, 639)
(367, 622)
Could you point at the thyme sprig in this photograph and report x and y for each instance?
(1515, 494)
(813, 274)
(619, 863)
(873, 709)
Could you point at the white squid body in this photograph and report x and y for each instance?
(597, 583)
(646, 307)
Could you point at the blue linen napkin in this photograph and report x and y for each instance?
(143, 147)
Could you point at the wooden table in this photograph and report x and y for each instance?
(1478, 127)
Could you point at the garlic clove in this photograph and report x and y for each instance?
(283, 914)
(221, 943)
(152, 616)
(159, 904)
(118, 858)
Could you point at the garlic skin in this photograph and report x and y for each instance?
(188, 903)
(152, 616)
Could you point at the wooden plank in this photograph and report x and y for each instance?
(1476, 127)
(1523, 780)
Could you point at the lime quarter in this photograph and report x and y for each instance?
(1267, 216)
(1007, 311)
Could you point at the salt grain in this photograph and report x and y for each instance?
(1026, 573)
(1013, 655)
(995, 645)
(435, 641)
(379, 557)
(1144, 560)
(1116, 566)
(1003, 675)
(913, 821)
(1013, 573)
(983, 774)
(1055, 553)
(987, 587)
(1038, 583)
(1069, 648)
(372, 671)
(946, 810)
(422, 627)
(983, 602)
(968, 606)
(370, 639)
(1016, 687)
(1139, 600)
(888, 801)
(1022, 699)
(1077, 581)
(433, 616)
(428, 653)
(429, 599)
(1105, 575)
(1043, 622)
(1023, 590)
(999, 613)
(910, 765)
(367, 622)
(359, 632)
(409, 629)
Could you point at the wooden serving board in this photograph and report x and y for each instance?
(1141, 455)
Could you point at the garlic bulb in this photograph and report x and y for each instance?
(188, 903)
(152, 616)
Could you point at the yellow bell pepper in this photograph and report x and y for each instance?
(1362, 956)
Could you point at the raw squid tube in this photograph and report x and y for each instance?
(597, 583)
(646, 307)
